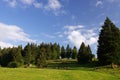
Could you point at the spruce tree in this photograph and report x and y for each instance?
(41, 58)
(68, 51)
(74, 53)
(109, 44)
(89, 54)
(27, 54)
(84, 54)
(62, 52)
(81, 54)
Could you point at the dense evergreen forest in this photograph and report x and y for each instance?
(32, 54)
(38, 54)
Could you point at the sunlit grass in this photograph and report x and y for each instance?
(53, 74)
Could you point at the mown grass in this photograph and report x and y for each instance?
(53, 74)
(60, 70)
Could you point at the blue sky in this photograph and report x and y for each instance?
(62, 21)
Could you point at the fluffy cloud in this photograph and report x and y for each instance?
(53, 5)
(78, 34)
(29, 2)
(12, 3)
(99, 3)
(12, 33)
(5, 45)
(38, 5)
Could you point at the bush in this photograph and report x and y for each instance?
(13, 64)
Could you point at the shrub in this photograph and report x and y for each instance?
(13, 64)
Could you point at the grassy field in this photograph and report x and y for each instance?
(75, 72)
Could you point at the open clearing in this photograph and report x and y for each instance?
(54, 74)
(60, 70)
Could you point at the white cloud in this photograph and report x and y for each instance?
(28, 2)
(12, 33)
(60, 35)
(5, 45)
(38, 5)
(98, 3)
(12, 3)
(78, 34)
(74, 27)
(53, 5)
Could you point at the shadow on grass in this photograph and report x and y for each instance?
(71, 65)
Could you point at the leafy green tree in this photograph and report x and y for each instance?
(109, 44)
(74, 53)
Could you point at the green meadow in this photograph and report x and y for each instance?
(60, 71)
(54, 74)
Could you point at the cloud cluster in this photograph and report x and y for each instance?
(12, 33)
(11, 3)
(99, 3)
(78, 34)
(51, 5)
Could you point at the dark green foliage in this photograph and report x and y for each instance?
(84, 54)
(89, 54)
(5, 57)
(63, 52)
(13, 64)
(54, 51)
(68, 52)
(58, 51)
(109, 44)
(27, 54)
(16, 55)
(48, 51)
(34, 51)
(41, 59)
(74, 53)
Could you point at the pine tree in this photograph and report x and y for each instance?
(41, 58)
(109, 44)
(58, 51)
(74, 53)
(62, 52)
(89, 54)
(27, 54)
(84, 54)
(81, 54)
(16, 55)
(68, 51)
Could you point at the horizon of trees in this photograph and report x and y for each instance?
(35, 54)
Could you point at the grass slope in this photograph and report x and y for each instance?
(53, 74)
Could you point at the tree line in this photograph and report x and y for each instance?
(36, 54)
